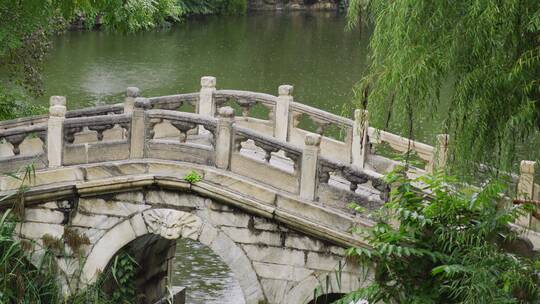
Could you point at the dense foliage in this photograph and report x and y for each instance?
(20, 281)
(452, 246)
(485, 54)
(26, 26)
(25, 282)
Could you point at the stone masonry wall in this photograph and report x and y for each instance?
(273, 263)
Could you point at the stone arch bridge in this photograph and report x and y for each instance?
(240, 175)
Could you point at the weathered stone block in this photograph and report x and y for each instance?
(113, 169)
(275, 255)
(174, 199)
(94, 221)
(303, 243)
(316, 213)
(85, 136)
(217, 206)
(281, 272)
(138, 225)
(36, 231)
(108, 151)
(246, 236)
(178, 170)
(208, 234)
(131, 197)
(43, 216)
(246, 166)
(261, 223)
(229, 219)
(31, 146)
(115, 208)
(275, 290)
(329, 262)
(244, 187)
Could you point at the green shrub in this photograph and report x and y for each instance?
(451, 246)
(193, 177)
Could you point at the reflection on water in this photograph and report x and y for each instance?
(207, 278)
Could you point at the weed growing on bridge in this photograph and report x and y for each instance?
(435, 242)
(193, 177)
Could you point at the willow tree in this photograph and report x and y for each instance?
(485, 52)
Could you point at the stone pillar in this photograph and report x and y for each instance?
(206, 96)
(55, 130)
(137, 134)
(129, 102)
(310, 158)
(281, 115)
(440, 155)
(525, 188)
(360, 143)
(224, 135)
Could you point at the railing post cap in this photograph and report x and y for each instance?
(132, 92)
(527, 167)
(285, 90)
(57, 101)
(208, 82)
(226, 112)
(312, 140)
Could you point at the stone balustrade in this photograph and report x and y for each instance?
(155, 128)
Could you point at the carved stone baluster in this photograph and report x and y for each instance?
(100, 129)
(151, 125)
(15, 141)
(238, 140)
(268, 150)
(69, 133)
(295, 159)
(246, 105)
(321, 125)
(183, 127)
(324, 174)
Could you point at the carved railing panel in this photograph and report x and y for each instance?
(270, 148)
(355, 177)
(98, 124)
(384, 140)
(15, 136)
(170, 102)
(185, 123)
(247, 102)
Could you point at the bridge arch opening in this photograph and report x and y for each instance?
(151, 237)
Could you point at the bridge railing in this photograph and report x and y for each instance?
(143, 127)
